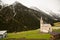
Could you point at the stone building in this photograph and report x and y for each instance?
(44, 27)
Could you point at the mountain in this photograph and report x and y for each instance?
(55, 16)
(17, 17)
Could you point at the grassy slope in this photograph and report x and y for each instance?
(57, 24)
(33, 34)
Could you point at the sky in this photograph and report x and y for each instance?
(53, 5)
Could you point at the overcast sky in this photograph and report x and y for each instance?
(53, 5)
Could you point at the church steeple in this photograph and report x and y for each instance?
(41, 22)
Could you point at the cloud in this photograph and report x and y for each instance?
(9, 1)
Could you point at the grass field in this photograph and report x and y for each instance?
(32, 34)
